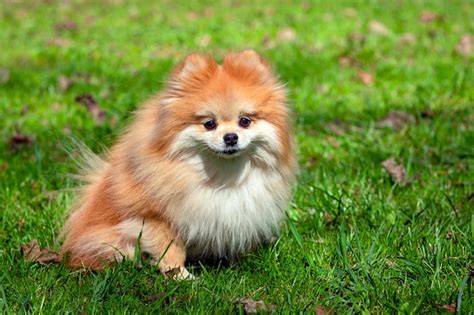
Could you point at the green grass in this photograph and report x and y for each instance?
(356, 241)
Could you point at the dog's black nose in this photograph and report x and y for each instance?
(231, 138)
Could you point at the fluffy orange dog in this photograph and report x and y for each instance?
(205, 170)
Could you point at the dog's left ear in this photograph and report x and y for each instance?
(248, 64)
(194, 65)
(190, 75)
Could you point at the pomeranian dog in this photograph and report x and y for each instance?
(205, 171)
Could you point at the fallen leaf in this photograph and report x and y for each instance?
(449, 308)
(336, 127)
(287, 34)
(205, 40)
(59, 42)
(407, 38)
(311, 161)
(4, 75)
(322, 88)
(449, 235)
(251, 306)
(173, 273)
(34, 253)
(350, 12)
(56, 107)
(19, 140)
(66, 25)
(192, 16)
(333, 142)
(269, 11)
(378, 28)
(323, 310)
(365, 78)
(159, 296)
(67, 130)
(51, 195)
(396, 172)
(356, 38)
(64, 83)
(396, 120)
(113, 121)
(427, 113)
(428, 16)
(348, 61)
(25, 109)
(268, 43)
(89, 102)
(208, 12)
(328, 218)
(3, 166)
(465, 45)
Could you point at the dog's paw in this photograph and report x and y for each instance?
(179, 273)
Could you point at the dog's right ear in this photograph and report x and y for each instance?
(190, 75)
(194, 64)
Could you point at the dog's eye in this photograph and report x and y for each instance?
(210, 124)
(244, 122)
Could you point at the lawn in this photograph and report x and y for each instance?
(368, 82)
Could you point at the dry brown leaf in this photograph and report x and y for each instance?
(205, 40)
(287, 34)
(336, 127)
(3, 166)
(333, 142)
(251, 306)
(311, 161)
(173, 273)
(396, 120)
(356, 38)
(159, 296)
(34, 253)
(322, 88)
(25, 109)
(378, 28)
(59, 42)
(192, 16)
(427, 113)
(64, 83)
(4, 75)
(67, 130)
(350, 12)
(20, 223)
(465, 45)
(323, 310)
(407, 38)
(428, 16)
(449, 235)
(396, 172)
(449, 308)
(328, 218)
(365, 78)
(19, 140)
(269, 11)
(89, 102)
(66, 26)
(348, 61)
(268, 43)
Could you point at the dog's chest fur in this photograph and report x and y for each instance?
(235, 207)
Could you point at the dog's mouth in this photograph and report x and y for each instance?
(231, 151)
(228, 153)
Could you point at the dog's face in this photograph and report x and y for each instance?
(229, 111)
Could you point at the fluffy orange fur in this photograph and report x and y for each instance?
(145, 182)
